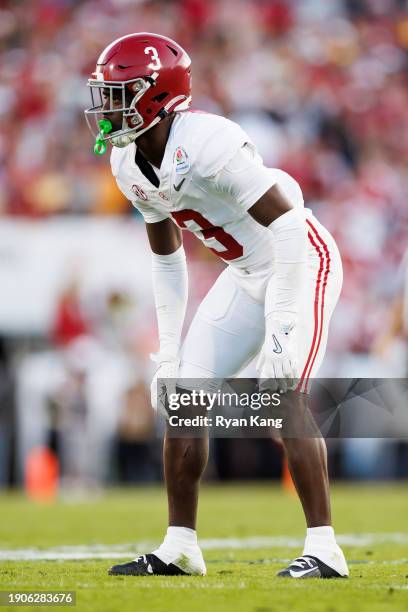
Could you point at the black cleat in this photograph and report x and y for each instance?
(146, 565)
(309, 567)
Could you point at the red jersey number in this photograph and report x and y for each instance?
(233, 249)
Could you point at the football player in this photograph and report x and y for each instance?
(186, 170)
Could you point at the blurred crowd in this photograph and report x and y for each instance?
(321, 88)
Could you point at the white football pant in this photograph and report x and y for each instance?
(228, 329)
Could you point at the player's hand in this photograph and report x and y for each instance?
(277, 361)
(167, 367)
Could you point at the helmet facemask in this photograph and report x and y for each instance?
(132, 121)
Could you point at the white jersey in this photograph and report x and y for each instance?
(210, 176)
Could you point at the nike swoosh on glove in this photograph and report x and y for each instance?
(277, 361)
(167, 368)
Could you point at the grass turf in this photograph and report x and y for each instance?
(237, 579)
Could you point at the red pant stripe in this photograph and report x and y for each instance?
(324, 269)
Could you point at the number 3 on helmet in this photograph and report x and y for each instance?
(151, 76)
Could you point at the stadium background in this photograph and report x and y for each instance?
(321, 87)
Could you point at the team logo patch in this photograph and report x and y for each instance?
(181, 160)
(139, 192)
(163, 196)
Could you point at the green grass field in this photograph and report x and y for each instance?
(373, 521)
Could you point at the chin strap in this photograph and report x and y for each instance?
(122, 140)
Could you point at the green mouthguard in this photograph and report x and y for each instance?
(105, 127)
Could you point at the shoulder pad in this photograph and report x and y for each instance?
(221, 140)
(208, 141)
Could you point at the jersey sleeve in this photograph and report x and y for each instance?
(149, 214)
(219, 140)
(245, 179)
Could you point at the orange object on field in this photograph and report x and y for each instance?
(41, 474)
(287, 482)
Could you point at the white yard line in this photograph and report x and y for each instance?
(100, 551)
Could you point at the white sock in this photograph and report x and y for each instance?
(321, 543)
(180, 547)
(182, 534)
(322, 534)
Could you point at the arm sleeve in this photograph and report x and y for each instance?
(290, 246)
(170, 287)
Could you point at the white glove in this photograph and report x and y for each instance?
(167, 367)
(277, 360)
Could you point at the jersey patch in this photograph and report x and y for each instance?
(181, 160)
(139, 192)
